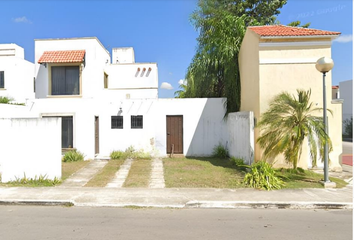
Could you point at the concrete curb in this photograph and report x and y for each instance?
(269, 205)
(38, 202)
(191, 204)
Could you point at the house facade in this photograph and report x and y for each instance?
(277, 58)
(16, 74)
(106, 106)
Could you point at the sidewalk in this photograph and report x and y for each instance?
(181, 198)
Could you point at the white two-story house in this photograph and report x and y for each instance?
(16, 74)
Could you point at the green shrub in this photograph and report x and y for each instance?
(263, 176)
(220, 152)
(73, 156)
(130, 153)
(238, 162)
(5, 100)
(40, 181)
(117, 155)
(141, 155)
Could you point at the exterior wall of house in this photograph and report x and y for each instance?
(30, 148)
(135, 80)
(250, 85)
(346, 93)
(335, 93)
(96, 58)
(240, 126)
(204, 126)
(123, 55)
(291, 67)
(18, 73)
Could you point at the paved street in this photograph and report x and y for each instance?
(25, 222)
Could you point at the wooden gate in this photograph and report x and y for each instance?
(174, 131)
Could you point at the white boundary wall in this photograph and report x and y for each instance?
(241, 136)
(31, 147)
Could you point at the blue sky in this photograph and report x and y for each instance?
(158, 30)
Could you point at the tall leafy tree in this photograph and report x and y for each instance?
(287, 123)
(221, 24)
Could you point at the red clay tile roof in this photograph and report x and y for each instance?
(335, 87)
(71, 56)
(282, 31)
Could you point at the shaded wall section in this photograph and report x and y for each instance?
(240, 127)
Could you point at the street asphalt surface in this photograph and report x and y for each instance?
(38, 222)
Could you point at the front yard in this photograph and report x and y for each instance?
(221, 173)
(201, 173)
(180, 173)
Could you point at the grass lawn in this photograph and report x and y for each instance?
(106, 174)
(220, 173)
(307, 179)
(139, 174)
(69, 168)
(201, 173)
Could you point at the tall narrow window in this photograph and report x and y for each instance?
(105, 81)
(137, 121)
(65, 80)
(2, 79)
(117, 122)
(67, 132)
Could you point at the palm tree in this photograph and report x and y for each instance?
(287, 123)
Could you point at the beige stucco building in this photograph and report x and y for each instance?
(279, 58)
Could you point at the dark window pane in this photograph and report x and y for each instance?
(72, 80)
(58, 80)
(2, 79)
(117, 122)
(65, 80)
(137, 121)
(67, 132)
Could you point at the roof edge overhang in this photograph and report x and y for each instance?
(58, 58)
(332, 37)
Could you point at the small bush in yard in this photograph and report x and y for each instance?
(130, 153)
(36, 181)
(238, 162)
(73, 156)
(263, 176)
(117, 155)
(220, 152)
(5, 100)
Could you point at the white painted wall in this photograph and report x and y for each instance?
(203, 125)
(139, 80)
(346, 93)
(241, 136)
(16, 111)
(18, 73)
(30, 147)
(123, 55)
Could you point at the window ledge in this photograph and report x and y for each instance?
(3, 89)
(64, 96)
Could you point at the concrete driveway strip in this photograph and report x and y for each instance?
(81, 177)
(157, 179)
(121, 175)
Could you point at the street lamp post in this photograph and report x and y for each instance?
(325, 65)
